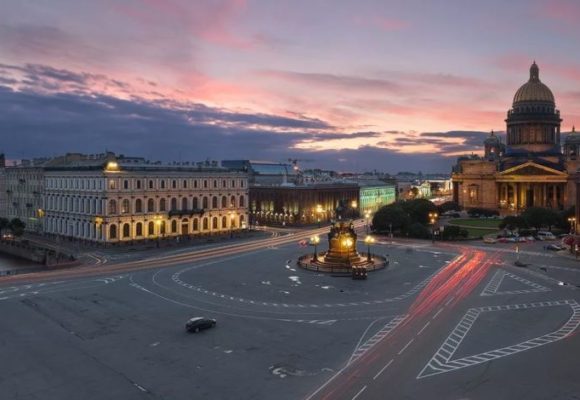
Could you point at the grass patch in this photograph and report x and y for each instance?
(475, 233)
(476, 223)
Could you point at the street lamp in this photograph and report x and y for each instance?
(353, 204)
(572, 221)
(432, 220)
(314, 240)
(232, 217)
(367, 216)
(318, 212)
(158, 220)
(369, 240)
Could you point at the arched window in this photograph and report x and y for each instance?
(162, 205)
(233, 223)
(150, 205)
(125, 184)
(138, 205)
(224, 222)
(174, 226)
(205, 184)
(126, 230)
(224, 201)
(173, 204)
(113, 231)
(139, 229)
(150, 184)
(112, 206)
(195, 184)
(125, 206)
(138, 183)
(184, 203)
(184, 184)
(214, 223)
(195, 224)
(242, 220)
(151, 228)
(174, 184)
(195, 203)
(205, 224)
(204, 203)
(242, 201)
(233, 201)
(214, 202)
(224, 184)
(215, 183)
(162, 183)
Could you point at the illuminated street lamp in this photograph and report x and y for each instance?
(353, 205)
(369, 240)
(367, 216)
(572, 221)
(158, 219)
(318, 212)
(232, 217)
(314, 240)
(432, 220)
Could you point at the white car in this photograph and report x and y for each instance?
(489, 240)
(542, 235)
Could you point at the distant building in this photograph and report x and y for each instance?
(530, 170)
(264, 172)
(290, 204)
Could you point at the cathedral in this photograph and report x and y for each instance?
(532, 169)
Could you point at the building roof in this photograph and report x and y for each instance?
(534, 90)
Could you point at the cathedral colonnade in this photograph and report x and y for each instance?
(521, 195)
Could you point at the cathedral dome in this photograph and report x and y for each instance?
(534, 90)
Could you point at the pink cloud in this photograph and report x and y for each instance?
(381, 23)
(563, 11)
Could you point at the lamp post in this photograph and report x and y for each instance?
(314, 240)
(432, 220)
(232, 217)
(318, 212)
(369, 240)
(353, 205)
(367, 216)
(158, 220)
(572, 221)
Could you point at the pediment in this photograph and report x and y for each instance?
(531, 168)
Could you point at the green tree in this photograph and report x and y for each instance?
(452, 232)
(512, 222)
(538, 217)
(17, 226)
(419, 210)
(419, 231)
(4, 224)
(392, 215)
(448, 206)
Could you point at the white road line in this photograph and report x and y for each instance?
(141, 388)
(359, 392)
(437, 313)
(405, 348)
(423, 328)
(382, 369)
(450, 300)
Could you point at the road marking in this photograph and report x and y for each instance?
(376, 338)
(450, 300)
(405, 348)
(382, 369)
(423, 328)
(437, 313)
(495, 282)
(359, 392)
(442, 361)
(141, 388)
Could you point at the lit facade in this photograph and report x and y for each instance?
(118, 200)
(374, 196)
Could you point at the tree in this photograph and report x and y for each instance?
(390, 217)
(419, 231)
(448, 206)
(418, 209)
(17, 226)
(453, 232)
(538, 217)
(512, 222)
(4, 224)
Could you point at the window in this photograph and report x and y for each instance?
(126, 230)
(204, 203)
(162, 184)
(242, 201)
(184, 203)
(224, 201)
(125, 207)
(151, 228)
(112, 185)
(224, 222)
(224, 184)
(233, 201)
(195, 205)
(233, 183)
(205, 223)
(125, 186)
(112, 207)
(113, 232)
(214, 223)
(150, 205)
(195, 184)
(138, 183)
(242, 183)
(174, 184)
(215, 183)
(162, 205)
(138, 206)
(174, 226)
(150, 184)
(205, 184)
(195, 224)
(184, 184)
(173, 204)
(214, 202)
(139, 229)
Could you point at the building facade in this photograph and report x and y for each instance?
(302, 204)
(374, 195)
(530, 170)
(115, 199)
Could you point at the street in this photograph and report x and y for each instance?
(444, 321)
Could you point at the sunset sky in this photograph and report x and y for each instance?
(351, 85)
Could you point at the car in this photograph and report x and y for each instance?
(554, 247)
(542, 235)
(197, 324)
(530, 238)
(489, 240)
(521, 239)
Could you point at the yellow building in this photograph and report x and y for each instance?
(530, 170)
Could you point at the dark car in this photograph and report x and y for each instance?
(554, 247)
(198, 323)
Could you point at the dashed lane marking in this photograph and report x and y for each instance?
(442, 361)
(359, 392)
(494, 284)
(376, 338)
(382, 370)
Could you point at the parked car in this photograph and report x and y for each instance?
(543, 235)
(530, 238)
(198, 323)
(554, 247)
(489, 240)
(521, 239)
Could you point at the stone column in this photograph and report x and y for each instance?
(554, 197)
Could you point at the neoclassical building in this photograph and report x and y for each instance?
(106, 198)
(532, 169)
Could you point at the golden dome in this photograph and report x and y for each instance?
(534, 90)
